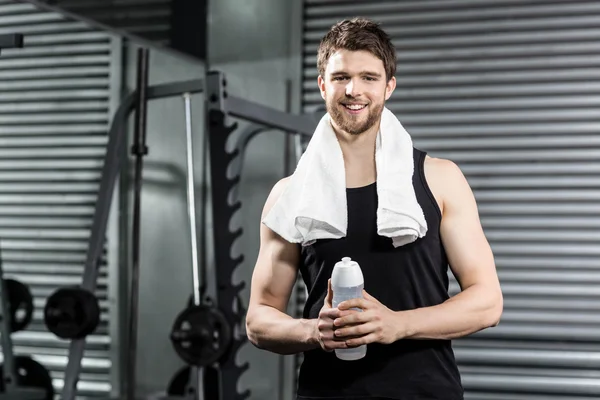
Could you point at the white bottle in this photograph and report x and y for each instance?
(347, 283)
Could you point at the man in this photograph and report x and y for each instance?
(407, 319)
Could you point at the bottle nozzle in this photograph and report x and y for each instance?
(346, 260)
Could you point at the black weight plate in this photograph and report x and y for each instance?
(21, 304)
(201, 335)
(72, 313)
(31, 374)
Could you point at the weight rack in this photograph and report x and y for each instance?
(225, 175)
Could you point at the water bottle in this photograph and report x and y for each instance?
(347, 283)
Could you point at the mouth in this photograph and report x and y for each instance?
(354, 108)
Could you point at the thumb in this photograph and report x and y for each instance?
(329, 297)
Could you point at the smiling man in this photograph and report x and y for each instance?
(407, 318)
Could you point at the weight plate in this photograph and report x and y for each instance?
(72, 313)
(201, 335)
(21, 304)
(31, 374)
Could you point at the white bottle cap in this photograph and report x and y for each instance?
(346, 273)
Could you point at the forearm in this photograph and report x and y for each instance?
(270, 329)
(470, 311)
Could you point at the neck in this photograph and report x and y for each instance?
(359, 156)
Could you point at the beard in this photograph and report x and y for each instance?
(353, 124)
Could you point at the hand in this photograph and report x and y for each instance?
(324, 328)
(375, 324)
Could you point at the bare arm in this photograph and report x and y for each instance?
(267, 324)
(479, 304)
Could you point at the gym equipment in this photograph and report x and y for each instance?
(200, 335)
(30, 374)
(21, 377)
(225, 172)
(139, 150)
(72, 313)
(21, 304)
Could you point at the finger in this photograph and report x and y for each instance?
(331, 313)
(351, 317)
(354, 303)
(352, 311)
(329, 297)
(354, 331)
(335, 345)
(359, 341)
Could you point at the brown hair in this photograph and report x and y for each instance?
(358, 34)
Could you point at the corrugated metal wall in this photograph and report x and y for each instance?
(510, 90)
(54, 116)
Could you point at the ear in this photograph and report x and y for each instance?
(390, 87)
(321, 83)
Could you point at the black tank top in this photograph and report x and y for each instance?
(403, 278)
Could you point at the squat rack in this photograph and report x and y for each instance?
(225, 174)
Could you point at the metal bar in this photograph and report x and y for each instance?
(191, 198)
(112, 162)
(139, 150)
(176, 89)
(254, 112)
(5, 330)
(13, 40)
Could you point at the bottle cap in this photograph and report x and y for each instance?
(346, 273)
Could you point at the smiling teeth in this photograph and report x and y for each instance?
(355, 106)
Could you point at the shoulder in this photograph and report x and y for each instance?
(276, 191)
(446, 181)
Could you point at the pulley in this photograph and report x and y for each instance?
(201, 335)
(72, 313)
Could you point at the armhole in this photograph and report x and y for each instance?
(421, 168)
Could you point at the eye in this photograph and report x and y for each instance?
(339, 78)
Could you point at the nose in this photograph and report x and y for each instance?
(353, 88)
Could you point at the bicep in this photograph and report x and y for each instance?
(469, 254)
(276, 266)
(275, 271)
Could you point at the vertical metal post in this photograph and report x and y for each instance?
(191, 198)
(139, 150)
(9, 377)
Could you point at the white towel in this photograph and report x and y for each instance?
(313, 205)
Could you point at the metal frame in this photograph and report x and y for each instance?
(112, 165)
(220, 106)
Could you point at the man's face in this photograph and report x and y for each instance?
(355, 90)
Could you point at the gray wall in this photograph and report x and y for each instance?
(249, 42)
